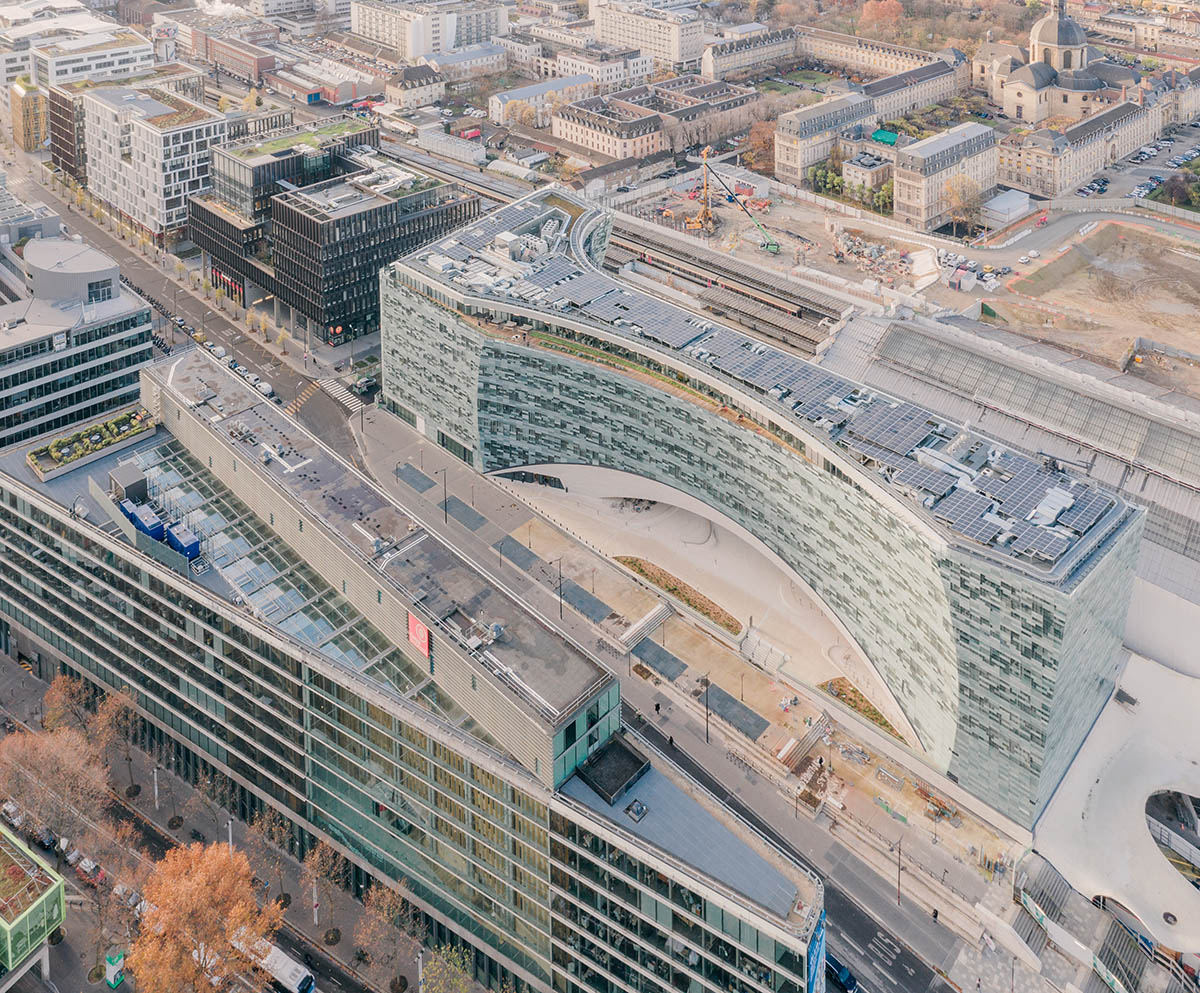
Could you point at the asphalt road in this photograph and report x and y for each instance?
(320, 412)
(872, 953)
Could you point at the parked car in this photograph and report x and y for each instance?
(89, 872)
(1034, 253)
(1023, 260)
(73, 857)
(44, 838)
(12, 813)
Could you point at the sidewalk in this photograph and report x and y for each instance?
(21, 695)
(387, 444)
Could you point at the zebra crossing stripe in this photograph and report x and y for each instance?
(339, 392)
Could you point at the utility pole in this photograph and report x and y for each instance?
(560, 605)
(899, 846)
(445, 496)
(707, 687)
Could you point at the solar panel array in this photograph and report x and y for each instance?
(930, 480)
(875, 429)
(1090, 505)
(1040, 542)
(897, 427)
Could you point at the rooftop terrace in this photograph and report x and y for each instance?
(990, 501)
(662, 808)
(23, 879)
(308, 135)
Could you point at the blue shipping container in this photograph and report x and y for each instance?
(128, 508)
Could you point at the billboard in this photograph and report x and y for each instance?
(418, 634)
(815, 960)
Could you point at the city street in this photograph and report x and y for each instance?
(319, 412)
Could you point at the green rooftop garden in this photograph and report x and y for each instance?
(311, 137)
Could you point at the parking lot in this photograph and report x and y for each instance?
(1138, 175)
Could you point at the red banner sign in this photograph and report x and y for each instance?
(418, 634)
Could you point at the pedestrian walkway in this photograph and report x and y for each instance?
(302, 397)
(342, 395)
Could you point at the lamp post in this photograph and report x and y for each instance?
(707, 687)
(445, 496)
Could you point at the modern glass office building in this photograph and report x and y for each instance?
(301, 636)
(987, 589)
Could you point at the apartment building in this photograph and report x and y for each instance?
(415, 86)
(72, 45)
(474, 757)
(415, 29)
(303, 216)
(922, 86)
(1051, 163)
(148, 153)
(484, 59)
(67, 122)
(925, 170)
(27, 104)
(188, 33)
(543, 97)
(72, 338)
(674, 39)
(610, 68)
(662, 116)
(737, 56)
(806, 136)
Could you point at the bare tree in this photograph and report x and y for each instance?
(268, 838)
(66, 703)
(326, 871)
(384, 932)
(965, 200)
(115, 725)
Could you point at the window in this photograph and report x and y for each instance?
(98, 290)
(1066, 64)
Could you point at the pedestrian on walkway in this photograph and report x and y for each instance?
(658, 708)
(671, 742)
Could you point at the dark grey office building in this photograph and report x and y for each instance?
(300, 221)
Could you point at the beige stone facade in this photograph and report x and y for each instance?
(925, 171)
(673, 39)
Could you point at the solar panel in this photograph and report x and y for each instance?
(980, 529)
(900, 427)
(930, 480)
(876, 452)
(1089, 507)
(1039, 542)
(961, 507)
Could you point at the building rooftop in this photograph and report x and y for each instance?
(24, 879)
(982, 497)
(312, 134)
(546, 86)
(545, 673)
(918, 152)
(163, 71)
(118, 38)
(161, 110)
(660, 810)
(468, 54)
(910, 77)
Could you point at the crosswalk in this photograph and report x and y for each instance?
(301, 397)
(342, 395)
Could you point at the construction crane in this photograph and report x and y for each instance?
(704, 219)
(769, 244)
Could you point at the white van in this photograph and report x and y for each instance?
(220, 352)
(264, 388)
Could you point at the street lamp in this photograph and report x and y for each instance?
(445, 496)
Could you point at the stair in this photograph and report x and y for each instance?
(1050, 891)
(1031, 932)
(795, 755)
(1121, 953)
(641, 628)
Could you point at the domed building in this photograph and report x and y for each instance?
(1059, 75)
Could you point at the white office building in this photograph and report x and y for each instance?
(147, 153)
(415, 29)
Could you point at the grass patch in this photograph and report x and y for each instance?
(681, 591)
(807, 76)
(773, 86)
(852, 697)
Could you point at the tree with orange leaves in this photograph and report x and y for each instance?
(66, 704)
(202, 924)
(57, 777)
